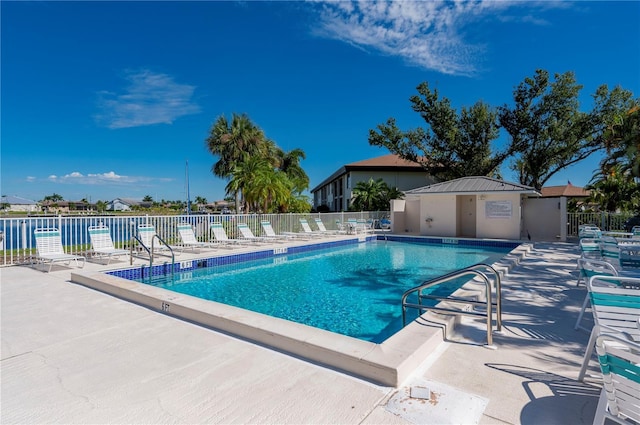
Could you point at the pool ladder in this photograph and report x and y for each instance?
(150, 251)
(478, 270)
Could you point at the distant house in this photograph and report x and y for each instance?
(334, 192)
(126, 204)
(17, 204)
(64, 207)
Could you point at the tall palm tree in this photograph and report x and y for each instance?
(233, 143)
(290, 164)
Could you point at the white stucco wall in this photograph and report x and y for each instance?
(441, 209)
(494, 220)
(543, 219)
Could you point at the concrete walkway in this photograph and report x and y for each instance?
(74, 355)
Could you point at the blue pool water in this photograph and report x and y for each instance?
(353, 290)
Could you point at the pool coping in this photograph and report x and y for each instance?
(389, 363)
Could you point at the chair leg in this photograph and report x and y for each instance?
(584, 307)
(587, 355)
(601, 409)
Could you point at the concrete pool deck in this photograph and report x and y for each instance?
(71, 354)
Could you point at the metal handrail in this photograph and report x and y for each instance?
(173, 256)
(150, 252)
(472, 270)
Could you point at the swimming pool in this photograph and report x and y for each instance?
(353, 290)
(389, 363)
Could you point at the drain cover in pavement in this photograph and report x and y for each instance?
(428, 402)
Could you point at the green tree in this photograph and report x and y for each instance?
(243, 176)
(234, 142)
(290, 165)
(200, 200)
(388, 195)
(622, 139)
(369, 195)
(614, 189)
(452, 145)
(147, 198)
(53, 198)
(101, 206)
(547, 128)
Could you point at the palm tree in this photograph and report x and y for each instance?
(290, 164)
(271, 189)
(368, 195)
(233, 143)
(53, 198)
(615, 189)
(622, 140)
(243, 178)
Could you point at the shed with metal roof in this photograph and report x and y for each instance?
(468, 207)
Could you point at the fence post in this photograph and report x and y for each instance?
(23, 231)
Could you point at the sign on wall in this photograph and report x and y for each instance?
(498, 209)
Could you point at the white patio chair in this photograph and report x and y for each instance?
(615, 303)
(247, 234)
(587, 268)
(589, 231)
(49, 248)
(323, 229)
(306, 229)
(267, 228)
(619, 361)
(188, 237)
(102, 244)
(590, 248)
(220, 236)
(153, 243)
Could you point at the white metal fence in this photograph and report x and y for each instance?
(605, 221)
(17, 240)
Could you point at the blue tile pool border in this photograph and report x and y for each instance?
(143, 271)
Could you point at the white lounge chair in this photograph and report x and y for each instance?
(153, 243)
(619, 361)
(102, 244)
(220, 236)
(49, 248)
(358, 226)
(323, 229)
(247, 234)
(616, 310)
(306, 229)
(267, 228)
(188, 237)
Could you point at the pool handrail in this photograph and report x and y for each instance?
(471, 270)
(150, 251)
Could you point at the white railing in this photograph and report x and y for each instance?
(606, 221)
(17, 240)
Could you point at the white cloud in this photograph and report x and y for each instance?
(428, 34)
(150, 98)
(109, 178)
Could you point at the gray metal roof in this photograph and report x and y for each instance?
(16, 200)
(472, 185)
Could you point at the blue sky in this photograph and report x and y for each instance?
(111, 99)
